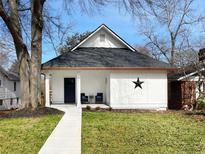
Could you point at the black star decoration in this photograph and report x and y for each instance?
(138, 83)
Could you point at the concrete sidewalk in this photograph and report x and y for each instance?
(66, 137)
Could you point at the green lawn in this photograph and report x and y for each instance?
(25, 135)
(142, 133)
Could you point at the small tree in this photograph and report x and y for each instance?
(3, 58)
(142, 49)
(200, 72)
(72, 41)
(15, 67)
(6, 52)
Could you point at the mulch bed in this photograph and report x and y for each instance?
(122, 110)
(197, 115)
(40, 111)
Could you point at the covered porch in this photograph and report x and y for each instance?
(77, 87)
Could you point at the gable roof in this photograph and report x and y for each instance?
(10, 75)
(110, 32)
(114, 58)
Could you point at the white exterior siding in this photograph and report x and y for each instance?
(110, 41)
(7, 88)
(117, 87)
(7, 92)
(153, 94)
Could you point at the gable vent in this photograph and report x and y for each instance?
(102, 37)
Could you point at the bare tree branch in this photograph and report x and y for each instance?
(170, 22)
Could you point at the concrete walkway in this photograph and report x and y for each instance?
(66, 137)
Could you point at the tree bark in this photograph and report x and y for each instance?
(36, 48)
(24, 71)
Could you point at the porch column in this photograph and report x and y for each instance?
(47, 90)
(78, 91)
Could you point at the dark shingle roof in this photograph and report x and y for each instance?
(10, 75)
(104, 57)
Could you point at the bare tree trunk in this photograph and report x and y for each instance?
(24, 78)
(36, 47)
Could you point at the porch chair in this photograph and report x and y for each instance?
(99, 98)
(84, 99)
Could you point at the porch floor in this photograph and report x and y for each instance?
(93, 106)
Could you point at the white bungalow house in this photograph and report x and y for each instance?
(103, 68)
(9, 90)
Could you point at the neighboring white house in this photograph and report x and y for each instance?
(9, 90)
(104, 63)
(186, 84)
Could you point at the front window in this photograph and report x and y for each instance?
(14, 86)
(11, 101)
(0, 83)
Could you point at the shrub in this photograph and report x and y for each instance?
(110, 108)
(97, 108)
(88, 107)
(200, 102)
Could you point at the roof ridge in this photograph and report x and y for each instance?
(120, 39)
(104, 48)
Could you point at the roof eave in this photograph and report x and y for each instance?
(107, 68)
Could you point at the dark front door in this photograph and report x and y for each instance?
(69, 90)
